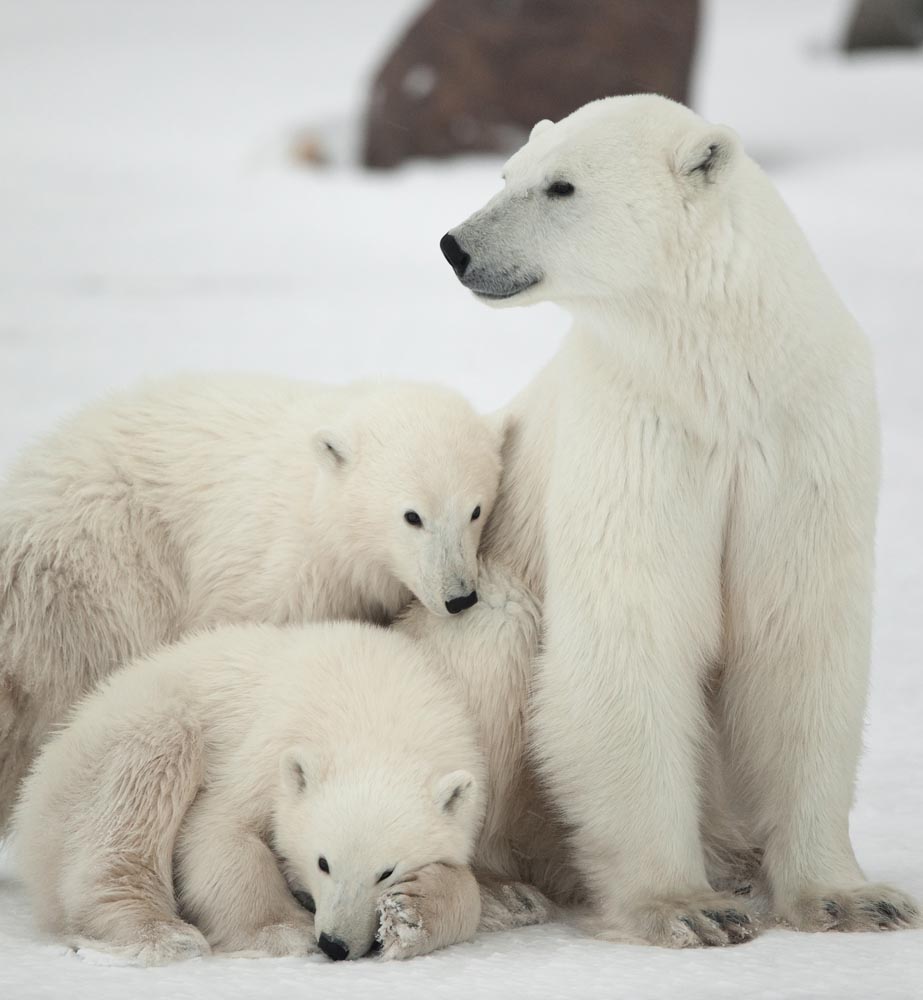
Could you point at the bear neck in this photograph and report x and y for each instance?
(747, 305)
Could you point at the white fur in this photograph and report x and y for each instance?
(489, 654)
(220, 755)
(227, 499)
(691, 487)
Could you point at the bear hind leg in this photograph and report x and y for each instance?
(143, 792)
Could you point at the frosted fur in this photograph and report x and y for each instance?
(690, 487)
(235, 749)
(207, 500)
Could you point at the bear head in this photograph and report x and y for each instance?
(347, 831)
(410, 476)
(614, 200)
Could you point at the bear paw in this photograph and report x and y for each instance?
(506, 905)
(703, 920)
(283, 939)
(432, 907)
(401, 933)
(869, 907)
(160, 942)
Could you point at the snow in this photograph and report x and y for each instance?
(152, 223)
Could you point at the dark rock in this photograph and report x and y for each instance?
(473, 76)
(885, 24)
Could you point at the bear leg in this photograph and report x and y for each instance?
(230, 885)
(122, 893)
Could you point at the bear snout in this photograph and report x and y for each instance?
(457, 604)
(453, 253)
(333, 947)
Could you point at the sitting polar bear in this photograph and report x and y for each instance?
(690, 488)
(228, 499)
(333, 748)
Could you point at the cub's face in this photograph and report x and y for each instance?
(416, 489)
(434, 524)
(592, 207)
(347, 836)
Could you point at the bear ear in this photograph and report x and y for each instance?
(540, 127)
(335, 447)
(300, 769)
(706, 154)
(454, 791)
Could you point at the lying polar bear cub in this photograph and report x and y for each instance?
(211, 500)
(210, 763)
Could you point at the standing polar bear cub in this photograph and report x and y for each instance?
(691, 488)
(211, 500)
(333, 749)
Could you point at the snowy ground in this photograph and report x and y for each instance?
(150, 223)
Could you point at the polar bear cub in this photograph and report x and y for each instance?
(211, 500)
(154, 825)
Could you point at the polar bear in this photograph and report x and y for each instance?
(690, 487)
(330, 752)
(206, 500)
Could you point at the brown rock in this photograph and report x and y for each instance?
(885, 24)
(473, 76)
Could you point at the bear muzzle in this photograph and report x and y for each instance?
(459, 604)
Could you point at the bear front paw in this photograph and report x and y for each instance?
(401, 932)
(869, 907)
(430, 908)
(703, 920)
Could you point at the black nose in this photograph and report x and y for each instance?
(461, 603)
(454, 254)
(333, 947)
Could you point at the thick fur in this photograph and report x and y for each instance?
(230, 499)
(490, 654)
(237, 750)
(690, 487)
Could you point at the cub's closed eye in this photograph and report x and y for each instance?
(305, 899)
(560, 189)
(385, 874)
(476, 513)
(324, 867)
(412, 517)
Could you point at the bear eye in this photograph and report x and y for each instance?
(324, 867)
(412, 517)
(385, 874)
(476, 513)
(560, 189)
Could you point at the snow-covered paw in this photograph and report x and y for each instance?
(869, 907)
(706, 920)
(284, 939)
(433, 907)
(401, 930)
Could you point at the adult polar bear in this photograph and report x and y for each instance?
(692, 489)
